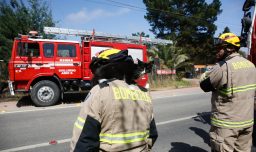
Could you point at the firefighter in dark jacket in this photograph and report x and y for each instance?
(117, 115)
(232, 82)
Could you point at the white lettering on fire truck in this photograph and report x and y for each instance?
(67, 71)
(21, 65)
(66, 60)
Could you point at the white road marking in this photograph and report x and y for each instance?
(35, 146)
(68, 140)
(175, 120)
(177, 95)
(74, 106)
(40, 109)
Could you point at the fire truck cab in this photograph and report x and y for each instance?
(43, 67)
(47, 68)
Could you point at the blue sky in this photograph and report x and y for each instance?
(106, 16)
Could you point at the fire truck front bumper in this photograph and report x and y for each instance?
(11, 87)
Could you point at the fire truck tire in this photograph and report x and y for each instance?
(45, 93)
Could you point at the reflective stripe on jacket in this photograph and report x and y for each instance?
(228, 124)
(227, 91)
(124, 138)
(117, 117)
(233, 84)
(116, 138)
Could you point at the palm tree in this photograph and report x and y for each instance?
(171, 57)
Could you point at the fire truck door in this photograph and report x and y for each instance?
(28, 60)
(68, 61)
(48, 58)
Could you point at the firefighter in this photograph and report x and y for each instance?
(232, 82)
(117, 115)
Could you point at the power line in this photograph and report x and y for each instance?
(157, 10)
(99, 2)
(133, 7)
(125, 4)
(153, 9)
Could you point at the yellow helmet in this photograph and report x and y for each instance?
(110, 56)
(106, 54)
(229, 38)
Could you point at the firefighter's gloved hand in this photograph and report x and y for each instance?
(204, 76)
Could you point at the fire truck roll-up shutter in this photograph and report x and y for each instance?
(136, 54)
(97, 49)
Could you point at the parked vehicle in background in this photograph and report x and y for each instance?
(47, 68)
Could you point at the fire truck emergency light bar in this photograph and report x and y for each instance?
(100, 35)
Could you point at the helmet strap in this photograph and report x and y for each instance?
(227, 52)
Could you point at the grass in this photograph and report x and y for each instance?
(6, 96)
(164, 82)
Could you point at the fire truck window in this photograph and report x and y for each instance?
(66, 50)
(48, 50)
(32, 49)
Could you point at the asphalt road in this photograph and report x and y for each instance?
(182, 121)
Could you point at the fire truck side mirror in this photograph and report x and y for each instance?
(19, 48)
(248, 4)
(243, 40)
(246, 22)
(26, 49)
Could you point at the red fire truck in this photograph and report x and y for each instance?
(47, 68)
(248, 36)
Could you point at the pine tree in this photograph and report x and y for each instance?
(189, 22)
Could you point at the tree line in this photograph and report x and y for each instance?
(18, 18)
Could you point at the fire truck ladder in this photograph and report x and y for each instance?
(104, 36)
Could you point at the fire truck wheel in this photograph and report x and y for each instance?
(45, 93)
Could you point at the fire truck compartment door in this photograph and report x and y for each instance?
(96, 49)
(136, 54)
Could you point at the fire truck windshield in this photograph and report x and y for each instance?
(28, 49)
